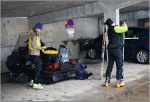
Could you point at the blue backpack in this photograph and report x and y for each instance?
(81, 72)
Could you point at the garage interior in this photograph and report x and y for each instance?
(18, 17)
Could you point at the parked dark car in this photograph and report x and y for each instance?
(136, 45)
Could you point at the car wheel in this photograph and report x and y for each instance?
(142, 56)
(92, 53)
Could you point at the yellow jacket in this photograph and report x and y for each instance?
(34, 44)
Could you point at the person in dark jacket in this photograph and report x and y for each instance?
(115, 44)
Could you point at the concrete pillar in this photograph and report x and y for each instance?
(114, 15)
(117, 17)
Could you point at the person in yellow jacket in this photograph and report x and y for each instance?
(34, 46)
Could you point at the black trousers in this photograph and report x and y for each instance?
(115, 55)
(38, 67)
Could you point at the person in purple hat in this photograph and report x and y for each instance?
(34, 46)
(114, 47)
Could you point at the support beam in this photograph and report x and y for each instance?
(86, 10)
(124, 3)
(117, 17)
(135, 15)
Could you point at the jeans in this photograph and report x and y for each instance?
(38, 67)
(115, 55)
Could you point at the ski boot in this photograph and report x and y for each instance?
(37, 86)
(107, 82)
(120, 83)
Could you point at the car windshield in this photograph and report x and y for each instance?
(22, 40)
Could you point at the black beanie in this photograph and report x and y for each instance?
(109, 22)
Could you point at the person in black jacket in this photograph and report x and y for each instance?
(115, 44)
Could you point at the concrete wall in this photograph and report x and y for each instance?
(83, 27)
(54, 34)
(132, 23)
(10, 29)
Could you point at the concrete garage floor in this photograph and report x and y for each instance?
(92, 89)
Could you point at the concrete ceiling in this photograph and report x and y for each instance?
(139, 6)
(33, 8)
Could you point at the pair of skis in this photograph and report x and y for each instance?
(102, 54)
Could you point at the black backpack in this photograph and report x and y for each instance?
(18, 78)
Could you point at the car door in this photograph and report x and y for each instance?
(131, 38)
